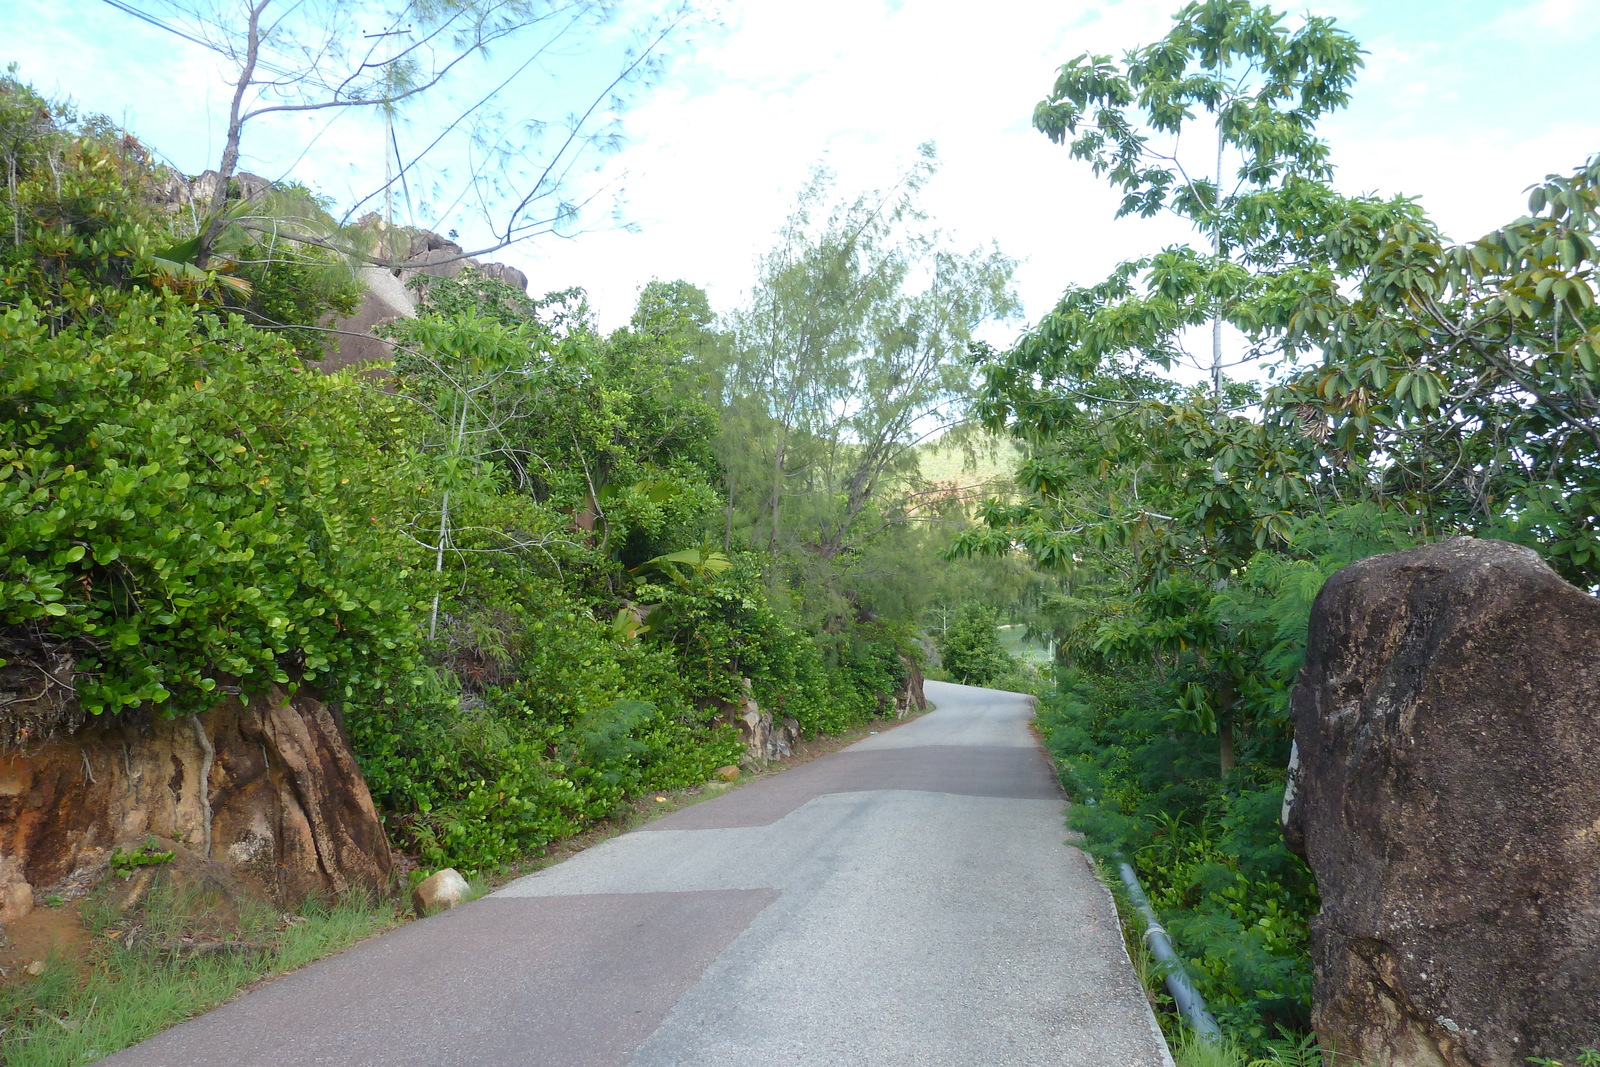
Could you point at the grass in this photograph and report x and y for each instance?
(1014, 639)
(994, 461)
(169, 958)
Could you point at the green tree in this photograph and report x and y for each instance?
(1460, 381)
(186, 509)
(851, 351)
(970, 647)
(324, 57)
(1264, 87)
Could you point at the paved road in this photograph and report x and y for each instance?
(907, 901)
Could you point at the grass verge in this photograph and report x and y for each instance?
(163, 959)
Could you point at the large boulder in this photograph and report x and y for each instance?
(1447, 732)
(390, 294)
(263, 792)
(386, 300)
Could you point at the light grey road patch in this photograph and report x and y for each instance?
(930, 913)
(969, 770)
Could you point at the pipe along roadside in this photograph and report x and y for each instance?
(1191, 1005)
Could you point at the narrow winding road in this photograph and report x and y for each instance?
(907, 901)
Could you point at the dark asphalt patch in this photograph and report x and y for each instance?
(578, 981)
(1013, 773)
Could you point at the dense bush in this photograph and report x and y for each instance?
(182, 504)
(500, 564)
(189, 511)
(1207, 848)
(1174, 716)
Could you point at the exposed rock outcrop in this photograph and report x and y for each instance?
(390, 295)
(267, 790)
(1446, 725)
(764, 739)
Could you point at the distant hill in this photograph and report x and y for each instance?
(994, 461)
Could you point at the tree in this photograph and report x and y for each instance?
(970, 648)
(1128, 464)
(1461, 381)
(1171, 489)
(851, 350)
(1264, 87)
(334, 56)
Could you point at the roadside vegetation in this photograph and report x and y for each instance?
(534, 562)
(1213, 429)
(141, 968)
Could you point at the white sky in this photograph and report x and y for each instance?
(1464, 102)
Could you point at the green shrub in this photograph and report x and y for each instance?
(190, 511)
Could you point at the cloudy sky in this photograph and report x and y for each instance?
(1463, 103)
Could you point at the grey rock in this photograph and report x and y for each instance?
(764, 739)
(511, 276)
(911, 696)
(440, 891)
(386, 300)
(437, 263)
(1446, 726)
(16, 895)
(424, 242)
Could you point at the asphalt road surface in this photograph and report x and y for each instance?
(906, 901)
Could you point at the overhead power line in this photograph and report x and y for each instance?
(176, 31)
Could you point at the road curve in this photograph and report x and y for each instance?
(907, 901)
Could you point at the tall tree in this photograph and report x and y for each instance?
(851, 350)
(1175, 488)
(1261, 87)
(1463, 382)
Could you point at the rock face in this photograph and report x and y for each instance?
(1447, 730)
(16, 893)
(389, 295)
(267, 790)
(764, 740)
(408, 253)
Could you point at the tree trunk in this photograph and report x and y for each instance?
(1216, 247)
(1227, 697)
(230, 150)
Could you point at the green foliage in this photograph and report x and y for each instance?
(183, 505)
(189, 510)
(970, 648)
(1207, 848)
(1461, 380)
(595, 652)
(292, 284)
(1420, 390)
(851, 351)
(1587, 1057)
(149, 854)
(504, 565)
